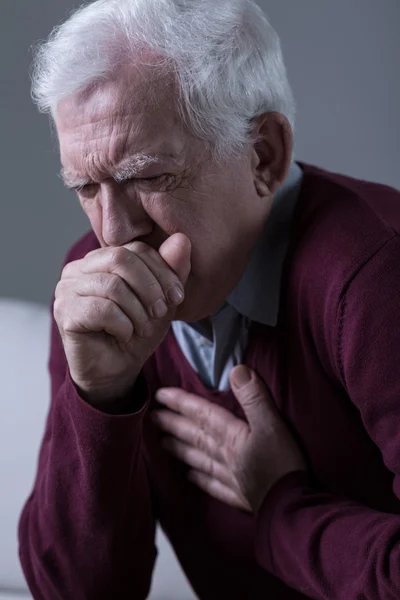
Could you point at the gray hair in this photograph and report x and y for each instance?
(224, 54)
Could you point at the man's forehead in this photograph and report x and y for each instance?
(104, 127)
(128, 93)
(97, 112)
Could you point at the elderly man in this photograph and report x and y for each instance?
(226, 340)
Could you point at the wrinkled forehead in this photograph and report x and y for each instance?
(135, 107)
(133, 91)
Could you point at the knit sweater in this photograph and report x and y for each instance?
(332, 363)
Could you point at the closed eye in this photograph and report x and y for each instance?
(87, 189)
(155, 178)
(158, 180)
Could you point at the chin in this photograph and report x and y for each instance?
(201, 300)
(191, 314)
(197, 307)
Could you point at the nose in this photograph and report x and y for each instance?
(123, 216)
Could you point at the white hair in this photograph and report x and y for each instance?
(224, 54)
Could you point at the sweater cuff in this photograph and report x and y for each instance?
(99, 426)
(135, 402)
(277, 496)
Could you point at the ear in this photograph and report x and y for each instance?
(271, 152)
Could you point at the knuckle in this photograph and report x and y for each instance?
(211, 469)
(68, 326)
(59, 289)
(107, 308)
(252, 395)
(65, 286)
(113, 285)
(199, 440)
(119, 256)
(58, 309)
(153, 284)
(235, 443)
(69, 319)
(204, 419)
(144, 329)
(62, 308)
(98, 311)
(94, 252)
(67, 270)
(141, 248)
(173, 280)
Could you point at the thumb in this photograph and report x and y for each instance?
(253, 396)
(176, 251)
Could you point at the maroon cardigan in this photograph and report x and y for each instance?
(333, 365)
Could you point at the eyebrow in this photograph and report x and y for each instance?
(129, 169)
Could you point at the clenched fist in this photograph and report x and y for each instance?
(113, 308)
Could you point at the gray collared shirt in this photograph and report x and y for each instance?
(255, 298)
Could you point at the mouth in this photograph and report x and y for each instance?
(155, 239)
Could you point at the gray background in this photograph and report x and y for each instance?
(343, 63)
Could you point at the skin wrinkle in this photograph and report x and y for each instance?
(219, 207)
(134, 167)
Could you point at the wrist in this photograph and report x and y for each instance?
(111, 399)
(281, 485)
(257, 502)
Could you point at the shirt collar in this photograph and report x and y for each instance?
(257, 294)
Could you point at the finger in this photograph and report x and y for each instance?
(92, 314)
(110, 287)
(186, 431)
(73, 269)
(218, 490)
(176, 251)
(254, 398)
(135, 273)
(214, 420)
(169, 281)
(198, 460)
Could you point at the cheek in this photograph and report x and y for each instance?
(171, 214)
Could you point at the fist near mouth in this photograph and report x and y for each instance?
(114, 307)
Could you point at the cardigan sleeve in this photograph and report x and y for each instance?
(87, 530)
(331, 547)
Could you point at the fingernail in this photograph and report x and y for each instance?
(162, 395)
(159, 309)
(241, 376)
(176, 294)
